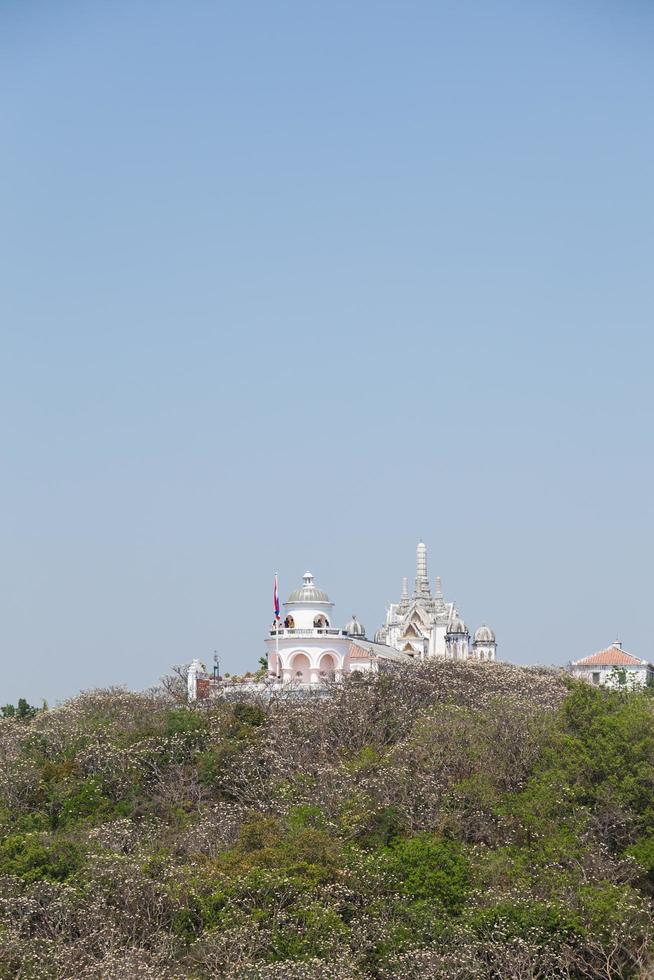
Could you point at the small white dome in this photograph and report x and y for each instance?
(457, 626)
(355, 628)
(484, 634)
(307, 592)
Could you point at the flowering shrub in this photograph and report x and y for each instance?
(450, 820)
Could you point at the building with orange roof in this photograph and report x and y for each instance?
(613, 667)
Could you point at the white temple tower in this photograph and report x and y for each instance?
(426, 626)
(457, 640)
(484, 645)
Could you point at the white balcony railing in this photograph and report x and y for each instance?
(317, 631)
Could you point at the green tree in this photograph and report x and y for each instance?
(23, 710)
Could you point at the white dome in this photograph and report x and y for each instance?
(355, 628)
(457, 626)
(308, 593)
(484, 635)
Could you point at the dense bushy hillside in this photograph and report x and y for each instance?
(450, 821)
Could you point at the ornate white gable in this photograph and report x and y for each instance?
(422, 622)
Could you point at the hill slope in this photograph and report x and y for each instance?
(451, 821)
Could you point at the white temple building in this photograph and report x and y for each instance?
(426, 626)
(306, 649)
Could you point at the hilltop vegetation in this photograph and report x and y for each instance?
(454, 820)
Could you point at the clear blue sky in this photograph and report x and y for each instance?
(293, 284)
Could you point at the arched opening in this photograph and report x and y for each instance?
(300, 669)
(289, 623)
(320, 622)
(327, 667)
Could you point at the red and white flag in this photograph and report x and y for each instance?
(276, 599)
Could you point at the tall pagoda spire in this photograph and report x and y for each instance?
(421, 590)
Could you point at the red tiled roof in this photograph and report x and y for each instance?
(609, 657)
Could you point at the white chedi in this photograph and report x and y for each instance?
(426, 626)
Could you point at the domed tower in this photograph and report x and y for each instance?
(484, 646)
(306, 649)
(355, 628)
(308, 607)
(457, 640)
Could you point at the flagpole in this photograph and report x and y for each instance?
(277, 629)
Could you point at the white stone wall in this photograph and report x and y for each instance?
(437, 641)
(457, 647)
(304, 616)
(607, 676)
(307, 659)
(484, 651)
(195, 670)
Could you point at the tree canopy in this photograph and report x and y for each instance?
(451, 820)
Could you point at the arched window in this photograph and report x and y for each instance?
(320, 622)
(327, 667)
(300, 668)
